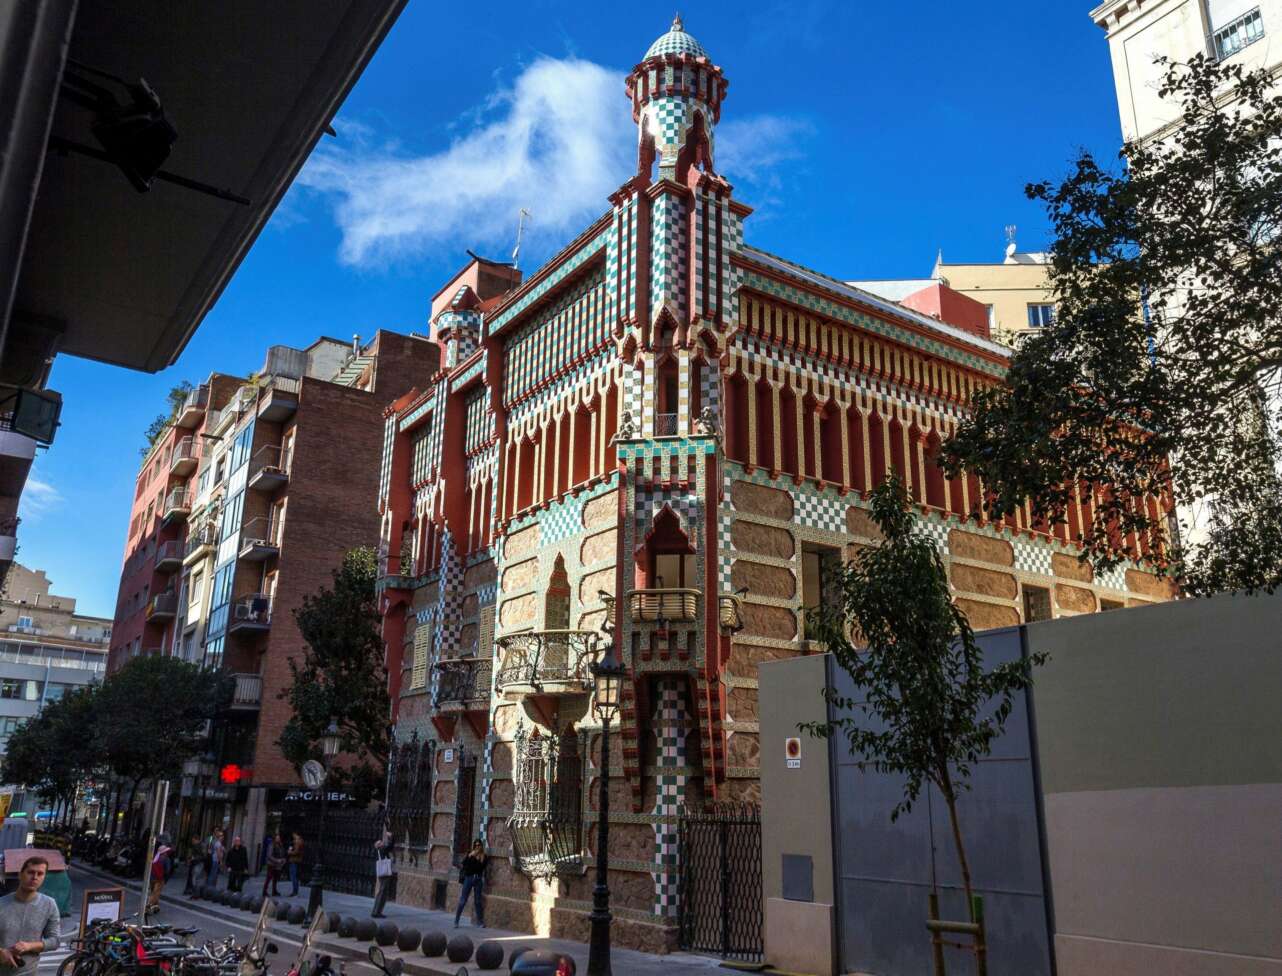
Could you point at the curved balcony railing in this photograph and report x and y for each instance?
(546, 825)
(730, 613)
(546, 662)
(672, 605)
(463, 683)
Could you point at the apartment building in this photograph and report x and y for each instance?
(46, 650)
(280, 483)
(669, 431)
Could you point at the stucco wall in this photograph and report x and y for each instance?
(1160, 745)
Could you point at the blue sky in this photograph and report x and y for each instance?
(866, 139)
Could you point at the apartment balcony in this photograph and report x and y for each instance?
(169, 556)
(278, 398)
(268, 468)
(176, 507)
(546, 662)
(463, 684)
(673, 605)
(193, 408)
(163, 606)
(200, 543)
(185, 457)
(8, 540)
(16, 454)
(247, 694)
(251, 614)
(260, 540)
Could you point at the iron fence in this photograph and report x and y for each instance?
(348, 856)
(409, 794)
(719, 851)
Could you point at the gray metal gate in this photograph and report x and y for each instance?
(719, 853)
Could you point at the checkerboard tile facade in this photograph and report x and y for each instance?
(671, 725)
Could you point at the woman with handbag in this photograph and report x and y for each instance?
(384, 871)
(472, 875)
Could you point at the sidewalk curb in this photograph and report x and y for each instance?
(349, 950)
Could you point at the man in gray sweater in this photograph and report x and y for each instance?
(29, 921)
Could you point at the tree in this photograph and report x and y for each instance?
(342, 677)
(1158, 388)
(928, 710)
(150, 715)
(57, 750)
(176, 396)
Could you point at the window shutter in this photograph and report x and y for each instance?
(422, 650)
(485, 640)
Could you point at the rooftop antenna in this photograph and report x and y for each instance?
(520, 227)
(1010, 240)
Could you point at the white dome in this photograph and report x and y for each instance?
(676, 41)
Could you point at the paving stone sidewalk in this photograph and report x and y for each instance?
(625, 962)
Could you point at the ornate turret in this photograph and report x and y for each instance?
(458, 326)
(676, 94)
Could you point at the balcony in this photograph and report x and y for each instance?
(546, 825)
(193, 409)
(200, 544)
(8, 540)
(260, 540)
(16, 454)
(671, 605)
(278, 398)
(247, 694)
(251, 614)
(269, 468)
(177, 506)
(463, 684)
(163, 606)
(169, 556)
(546, 662)
(185, 457)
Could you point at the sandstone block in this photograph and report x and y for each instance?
(764, 540)
(761, 500)
(1070, 567)
(970, 579)
(762, 580)
(970, 545)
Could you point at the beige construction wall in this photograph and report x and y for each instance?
(1160, 744)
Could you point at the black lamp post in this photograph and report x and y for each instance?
(608, 675)
(330, 743)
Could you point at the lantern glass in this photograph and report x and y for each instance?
(330, 741)
(608, 674)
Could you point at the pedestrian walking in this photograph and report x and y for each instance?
(237, 864)
(277, 858)
(28, 921)
(195, 859)
(384, 872)
(472, 876)
(214, 856)
(161, 865)
(295, 859)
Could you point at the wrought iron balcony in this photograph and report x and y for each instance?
(665, 425)
(177, 505)
(185, 457)
(163, 606)
(546, 825)
(463, 684)
(260, 539)
(193, 408)
(269, 468)
(200, 543)
(546, 662)
(670, 604)
(251, 614)
(169, 556)
(247, 693)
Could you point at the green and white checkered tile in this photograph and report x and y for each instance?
(671, 726)
(1032, 556)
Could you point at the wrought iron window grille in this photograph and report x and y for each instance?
(409, 794)
(546, 825)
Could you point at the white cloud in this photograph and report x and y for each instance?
(558, 141)
(38, 498)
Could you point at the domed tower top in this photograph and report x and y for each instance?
(676, 41)
(676, 94)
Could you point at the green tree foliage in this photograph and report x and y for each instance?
(150, 715)
(177, 394)
(927, 709)
(1162, 374)
(342, 678)
(56, 751)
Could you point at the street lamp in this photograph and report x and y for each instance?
(608, 674)
(330, 743)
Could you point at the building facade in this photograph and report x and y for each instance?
(279, 472)
(1139, 33)
(46, 650)
(670, 435)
